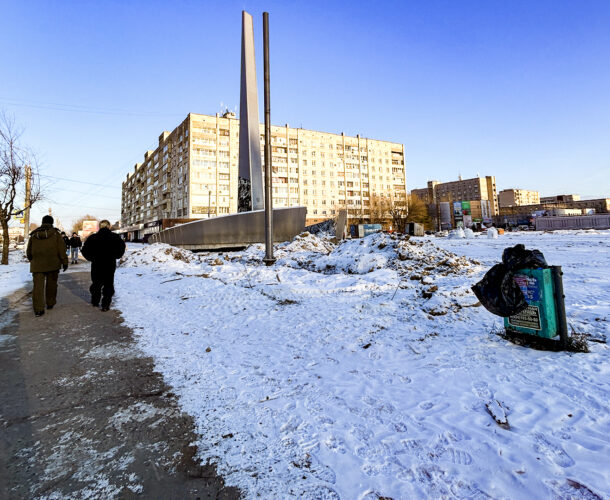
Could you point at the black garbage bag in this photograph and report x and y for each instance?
(497, 291)
(518, 257)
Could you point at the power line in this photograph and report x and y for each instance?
(80, 192)
(79, 182)
(60, 204)
(112, 174)
(74, 108)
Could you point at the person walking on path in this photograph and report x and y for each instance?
(67, 242)
(102, 249)
(75, 244)
(46, 252)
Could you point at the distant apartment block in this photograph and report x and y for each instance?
(427, 194)
(517, 197)
(477, 189)
(560, 198)
(193, 173)
(574, 205)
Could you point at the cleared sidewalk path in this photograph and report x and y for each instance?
(83, 414)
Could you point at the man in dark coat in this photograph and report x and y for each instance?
(67, 242)
(46, 252)
(75, 244)
(102, 249)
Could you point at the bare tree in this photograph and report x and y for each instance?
(398, 210)
(15, 161)
(379, 208)
(389, 210)
(417, 211)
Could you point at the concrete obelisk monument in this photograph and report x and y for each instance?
(250, 168)
(256, 221)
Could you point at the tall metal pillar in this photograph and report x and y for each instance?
(269, 259)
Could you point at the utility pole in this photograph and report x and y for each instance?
(269, 259)
(26, 213)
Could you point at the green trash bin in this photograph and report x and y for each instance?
(543, 316)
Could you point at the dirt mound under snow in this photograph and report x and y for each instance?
(414, 258)
(376, 251)
(157, 253)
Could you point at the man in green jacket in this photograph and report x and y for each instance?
(47, 253)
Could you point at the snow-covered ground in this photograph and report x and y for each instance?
(369, 369)
(16, 274)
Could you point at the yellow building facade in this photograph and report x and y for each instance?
(193, 173)
(517, 197)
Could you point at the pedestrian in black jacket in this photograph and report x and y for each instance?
(67, 242)
(102, 249)
(75, 243)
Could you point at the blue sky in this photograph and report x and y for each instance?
(515, 89)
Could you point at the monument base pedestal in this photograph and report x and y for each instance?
(234, 230)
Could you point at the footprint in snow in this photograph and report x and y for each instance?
(553, 452)
(470, 491)
(310, 464)
(431, 476)
(377, 450)
(405, 475)
(458, 457)
(314, 407)
(573, 489)
(482, 390)
(399, 426)
(413, 447)
(291, 426)
(324, 420)
(426, 405)
(336, 444)
(361, 433)
(369, 400)
(229, 393)
(371, 470)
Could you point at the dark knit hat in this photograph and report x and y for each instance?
(47, 219)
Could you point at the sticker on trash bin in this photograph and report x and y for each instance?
(529, 287)
(528, 318)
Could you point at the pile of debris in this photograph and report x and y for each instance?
(157, 255)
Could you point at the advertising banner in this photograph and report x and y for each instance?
(90, 226)
(485, 209)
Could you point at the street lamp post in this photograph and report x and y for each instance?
(269, 259)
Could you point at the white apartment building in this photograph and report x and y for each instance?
(193, 173)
